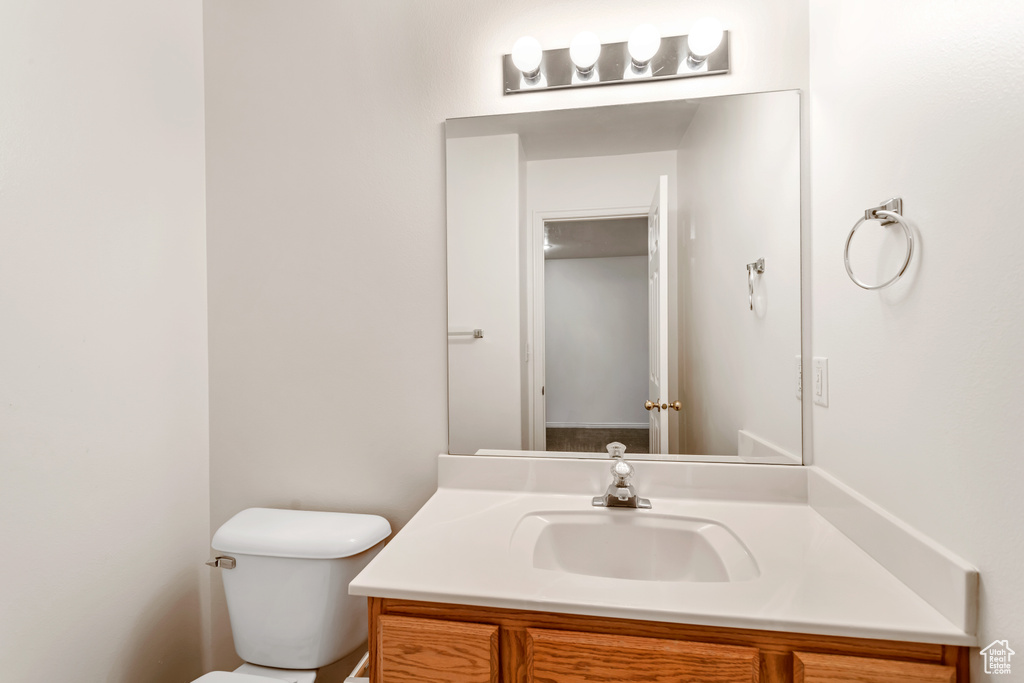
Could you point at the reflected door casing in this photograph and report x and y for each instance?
(657, 319)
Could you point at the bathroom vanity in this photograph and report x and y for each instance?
(423, 642)
(739, 571)
(736, 573)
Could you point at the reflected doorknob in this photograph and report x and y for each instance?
(652, 406)
(676, 406)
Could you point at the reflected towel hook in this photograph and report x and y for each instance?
(752, 268)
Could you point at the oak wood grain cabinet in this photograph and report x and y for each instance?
(578, 657)
(433, 642)
(817, 668)
(428, 650)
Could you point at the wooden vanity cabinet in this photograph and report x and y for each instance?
(427, 650)
(818, 668)
(580, 657)
(422, 642)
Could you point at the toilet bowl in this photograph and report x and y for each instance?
(286, 576)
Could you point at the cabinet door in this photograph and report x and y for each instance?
(413, 650)
(815, 668)
(576, 657)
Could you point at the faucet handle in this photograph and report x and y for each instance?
(616, 449)
(621, 471)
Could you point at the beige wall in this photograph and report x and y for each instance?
(739, 200)
(327, 220)
(327, 280)
(103, 402)
(596, 341)
(483, 198)
(925, 377)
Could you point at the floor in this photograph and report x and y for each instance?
(579, 440)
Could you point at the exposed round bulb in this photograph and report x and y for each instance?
(584, 50)
(527, 54)
(644, 42)
(705, 37)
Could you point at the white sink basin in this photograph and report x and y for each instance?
(633, 544)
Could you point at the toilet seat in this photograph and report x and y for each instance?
(263, 673)
(233, 677)
(251, 673)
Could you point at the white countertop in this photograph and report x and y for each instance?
(813, 579)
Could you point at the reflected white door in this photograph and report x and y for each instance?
(657, 316)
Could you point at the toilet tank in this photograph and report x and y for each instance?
(288, 595)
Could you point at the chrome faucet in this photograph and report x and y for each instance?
(620, 493)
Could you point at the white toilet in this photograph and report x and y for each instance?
(286, 576)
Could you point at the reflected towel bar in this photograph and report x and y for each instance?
(475, 334)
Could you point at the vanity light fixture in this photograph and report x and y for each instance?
(527, 56)
(705, 37)
(643, 45)
(646, 56)
(584, 51)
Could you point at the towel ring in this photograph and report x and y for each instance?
(888, 217)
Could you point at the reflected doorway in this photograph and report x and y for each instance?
(596, 334)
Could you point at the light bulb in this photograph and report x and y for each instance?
(527, 55)
(584, 50)
(644, 43)
(704, 38)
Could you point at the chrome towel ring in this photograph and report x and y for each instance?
(889, 213)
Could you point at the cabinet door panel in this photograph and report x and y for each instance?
(434, 651)
(815, 668)
(576, 657)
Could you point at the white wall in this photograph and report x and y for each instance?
(596, 341)
(484, 378)
(737, 366)
(103, 402)
(923, 100)
(586, 183)
(327, 220)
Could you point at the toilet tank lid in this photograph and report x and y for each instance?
(300, 533)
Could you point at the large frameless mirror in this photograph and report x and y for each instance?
(627, 275)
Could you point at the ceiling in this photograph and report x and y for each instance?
(601, 238)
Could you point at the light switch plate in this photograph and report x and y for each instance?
(820, 376)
